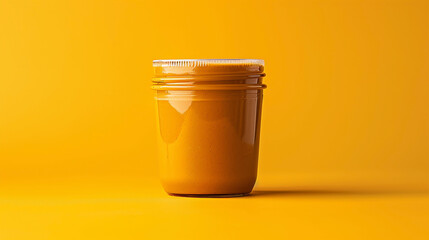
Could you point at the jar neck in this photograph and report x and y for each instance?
(209, 82)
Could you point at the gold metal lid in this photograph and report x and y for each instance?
(173, 67)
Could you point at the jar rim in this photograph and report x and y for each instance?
(185, 62)
(176, 67)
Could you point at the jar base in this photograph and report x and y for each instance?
(210, 195)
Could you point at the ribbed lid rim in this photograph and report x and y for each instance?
(205, 62)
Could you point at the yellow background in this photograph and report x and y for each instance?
(345, 114)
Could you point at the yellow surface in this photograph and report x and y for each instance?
(346, 109)
(146, 213)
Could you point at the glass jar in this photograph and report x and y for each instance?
(209, 116)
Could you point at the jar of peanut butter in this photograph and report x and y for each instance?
(209, 116)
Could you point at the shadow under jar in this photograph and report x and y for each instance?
(209, 115)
